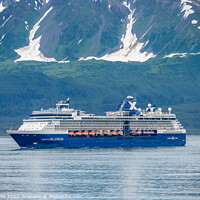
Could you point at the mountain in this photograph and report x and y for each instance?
(54, 49)
(67, 30)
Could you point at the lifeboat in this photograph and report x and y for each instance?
(85, 133)
(120, 132)
(133, 132)
(71, 132)
(78, 132)
(139, 132)
(113, 132)
(91, 132)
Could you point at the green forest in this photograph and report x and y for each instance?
(99, 86)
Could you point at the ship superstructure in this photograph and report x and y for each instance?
(129, 126)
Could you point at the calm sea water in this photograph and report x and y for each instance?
(142, 173)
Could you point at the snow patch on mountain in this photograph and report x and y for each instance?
(32, 52)
(185, 1)
(5, 21)
(194, 53)
(194, 21)
(63, 61)
(131, 47)
(109, 6)
(180, 54)
(26, 25)
(2, 7)
(187, 9)
(97, 0)
(175, 54)
(79, 41)
(2, 38)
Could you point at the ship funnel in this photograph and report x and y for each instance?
(129, 104)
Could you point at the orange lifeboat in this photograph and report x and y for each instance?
(71, 132)
(91, 132)
(78, 132)
(113, 132)
(133, 131)
(84, 132)
(120, 132)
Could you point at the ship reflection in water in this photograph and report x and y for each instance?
(140, 173)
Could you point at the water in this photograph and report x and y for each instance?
(143, 173)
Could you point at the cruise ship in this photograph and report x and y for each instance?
(127, 127)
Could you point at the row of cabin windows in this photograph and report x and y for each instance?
(130, 118)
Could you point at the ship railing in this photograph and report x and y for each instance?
(155, 112)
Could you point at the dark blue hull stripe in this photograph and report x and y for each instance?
(66, 141)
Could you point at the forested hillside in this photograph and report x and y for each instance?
(99, 86)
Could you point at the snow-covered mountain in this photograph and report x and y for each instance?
(113, 30)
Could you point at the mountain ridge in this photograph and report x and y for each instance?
(107, 30)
